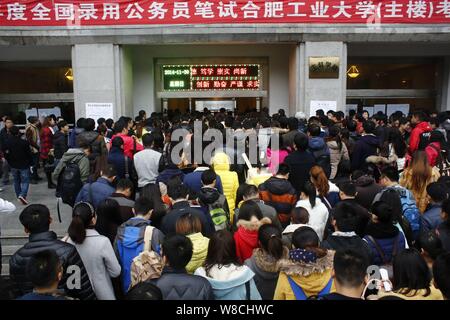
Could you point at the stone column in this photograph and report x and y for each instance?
(307, 89)
(99, 77)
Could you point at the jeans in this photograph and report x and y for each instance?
(21, 181)
(34, 168)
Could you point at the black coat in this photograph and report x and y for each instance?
(342, 243)
(66, 252)
(18, 153)
(300, 163)
(60, 144)
(4, 136)
(365, 147)
(362, 213)
(178, 285)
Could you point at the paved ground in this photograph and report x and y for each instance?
(10, 224)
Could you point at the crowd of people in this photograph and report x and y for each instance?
(336, 207)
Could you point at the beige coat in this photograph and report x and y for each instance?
(336, 156)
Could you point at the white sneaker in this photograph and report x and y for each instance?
(23, 200)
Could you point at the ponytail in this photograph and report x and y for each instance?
(310, 191)
(270, 238)
(82, 215)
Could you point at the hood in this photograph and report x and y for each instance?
(132, 232)
(292, 268)
(316, 143)
(221, 162)
(224, 279)
(364, 181)
(208, 195)
(278, 186)
(424, 126)
(72, 154)
(253, 225)
(267, 265)
(370, 140)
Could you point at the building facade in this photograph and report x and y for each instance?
(373, 64)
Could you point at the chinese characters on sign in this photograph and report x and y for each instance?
(211, 77)
(126, 12)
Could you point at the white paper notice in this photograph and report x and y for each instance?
(324, 105)
(95, 110)
(391, 108)
(379, 107)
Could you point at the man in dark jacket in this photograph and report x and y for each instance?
(279, 193)
(36, 220)
(178, 194)
(288, 138)
(96, 192)
(60, 143)
(300, 162)
(175, 283)
(366, 188)
(74, 134)
(345, 221)
(93, 139)
(319, 149)
(116, 157)
(4, 136)
(123, 193)
(18, 154)
(347, 194)
(366, 146)
(431, 218)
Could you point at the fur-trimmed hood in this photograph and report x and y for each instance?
(266, 262)
(253, 225)
(293, 268)
(381, 160)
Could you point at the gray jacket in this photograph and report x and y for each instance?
(76, 156)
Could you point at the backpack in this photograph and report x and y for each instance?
(424, 140)
(148, 264)
(323, 160)
(300, 294)
(220, 218)
(69, 184)
(128, 248)
(409, 207)
(386, 264)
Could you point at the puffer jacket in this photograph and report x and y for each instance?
(336, 156)
(229, 282)
(199, 252)
(318, 215)
(178, 285)
(433, 150)
(311, 276)
(267, 270)
(281, 195)
(414, 140)
(230, 182)
(76, 156)
(246, 237)
(386, 237)
(66, 252)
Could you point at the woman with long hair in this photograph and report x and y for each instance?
(46, 143)
(153, 192)
(265, 261)
(412, 278)
(318, 212)
(95, 250)
(229, 279)
(338, 149)
(417, 176)
(327, 191)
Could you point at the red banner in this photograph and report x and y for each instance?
(124, 12)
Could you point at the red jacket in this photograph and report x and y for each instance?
(415, 136)
(46, 138)
(433, 150)
(246, 241)
(128, 145)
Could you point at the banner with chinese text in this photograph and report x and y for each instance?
(72, 13)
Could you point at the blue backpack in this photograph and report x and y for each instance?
(300, 294)
(409, 206)
(128, 248)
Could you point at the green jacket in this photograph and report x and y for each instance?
(76, 156)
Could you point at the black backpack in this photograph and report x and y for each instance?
(424, 140)
(69, 184)
(323, 160)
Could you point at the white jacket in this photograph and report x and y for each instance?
(318, 216)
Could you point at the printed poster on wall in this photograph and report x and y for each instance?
(392, 108)
(95, 110)
(324, 105)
